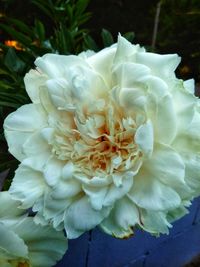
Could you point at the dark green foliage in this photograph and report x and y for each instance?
(179, 32)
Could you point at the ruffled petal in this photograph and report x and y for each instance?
(45, 245)
(11, 245)
(121, 220)
(55, 65)
(144, 138)
(81, 217)
(161, 65)
(154, 222)
(20, 125)
(34, 80)
(27, 186)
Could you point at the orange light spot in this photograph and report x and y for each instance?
(23, 264)
(15, 44)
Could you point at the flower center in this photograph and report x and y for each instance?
(101, 142)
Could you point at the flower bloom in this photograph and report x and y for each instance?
(111, 139)
(22, 242)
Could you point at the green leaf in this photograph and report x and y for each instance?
(107, 38)
(39, 30)
(22, 38)
(81, 5)
(21, 25)
(89, 43)
(41, 6)
(129, 36)
(9, 104)
(5, 85)
(13, 62)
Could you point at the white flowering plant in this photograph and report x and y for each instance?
(22, 242)
(111, 139)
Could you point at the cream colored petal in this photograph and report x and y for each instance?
(190, 86)
(177, 213)
(102, 62)
(96, 195)
(123, 217)
(164, 119)
(144, 138)
(20, 125)
(114, 193)
(55, 65)
(27, 186)
(9, 207)
(154, 222)
(45, 244)
(166, 165)
(11, 245)
(33, 80)
(129, 74)
(126, 51)
(161, 65)
(151, 194)
(38, 161)
(53, 171)
(192, 172)
(35, 144)
(156, 86)
(184, 103)
(81, 217)
(86, 84)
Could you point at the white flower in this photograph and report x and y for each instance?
(111, 139)
(22, 242)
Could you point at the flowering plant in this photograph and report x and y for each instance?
(111, 139)
(23, 243)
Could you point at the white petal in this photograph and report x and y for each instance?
(192, 172)
(37, 162)
(96, 195)
(157, 86)
(9, 207)
(101, 62)
(11, 245)
(45, 245)
(122, 218)
(81, 217)
(150, 188)
(165, 120)
(55, 65)
(190, 86)
(24, 119)
(144, 138)
(53, 171)
(161, 65)
(68, 170)
(129, 74)
(20, 125)
(154, 222)
(27, 186)
(176, 214)
(33, 81)
(35, 144)
(125, 50)
(166, 165)
(114, 193)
